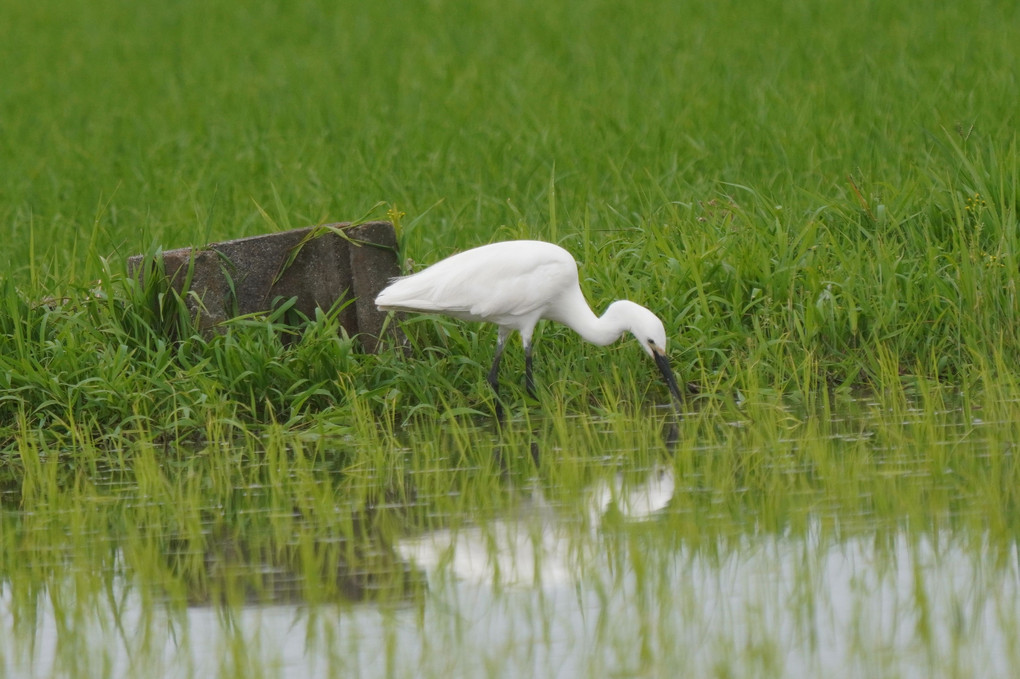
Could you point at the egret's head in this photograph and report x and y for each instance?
(642, 323)
(650, 334)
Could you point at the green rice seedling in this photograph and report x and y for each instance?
(761, 254)
(820, 200)
(228, 522)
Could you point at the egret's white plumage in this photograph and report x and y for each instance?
(515, 284)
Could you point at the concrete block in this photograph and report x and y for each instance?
(319, 266)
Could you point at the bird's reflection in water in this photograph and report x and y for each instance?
(670, 438)
(671, 435)
(504, 455)
(545, 539)
(542, 541)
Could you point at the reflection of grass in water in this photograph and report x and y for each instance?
(875, 499)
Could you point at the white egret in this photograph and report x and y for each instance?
(515, 284)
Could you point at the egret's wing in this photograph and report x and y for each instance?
(517, 289)
(496, 283)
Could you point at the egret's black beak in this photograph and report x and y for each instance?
(662, 360)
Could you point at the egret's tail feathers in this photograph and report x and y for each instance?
(409, 293)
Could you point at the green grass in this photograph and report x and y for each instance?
(811, 195)
(820, 199)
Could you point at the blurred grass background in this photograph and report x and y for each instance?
(808, 192)
(124, 124)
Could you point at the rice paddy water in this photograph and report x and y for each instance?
(876, 537)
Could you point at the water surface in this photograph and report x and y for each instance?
(878, 543)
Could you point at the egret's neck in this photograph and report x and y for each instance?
(598, 330)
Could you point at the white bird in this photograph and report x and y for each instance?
(515, 284)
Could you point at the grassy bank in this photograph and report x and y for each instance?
(812, 195)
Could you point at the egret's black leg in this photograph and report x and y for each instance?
(493, 377)
(529, 377)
